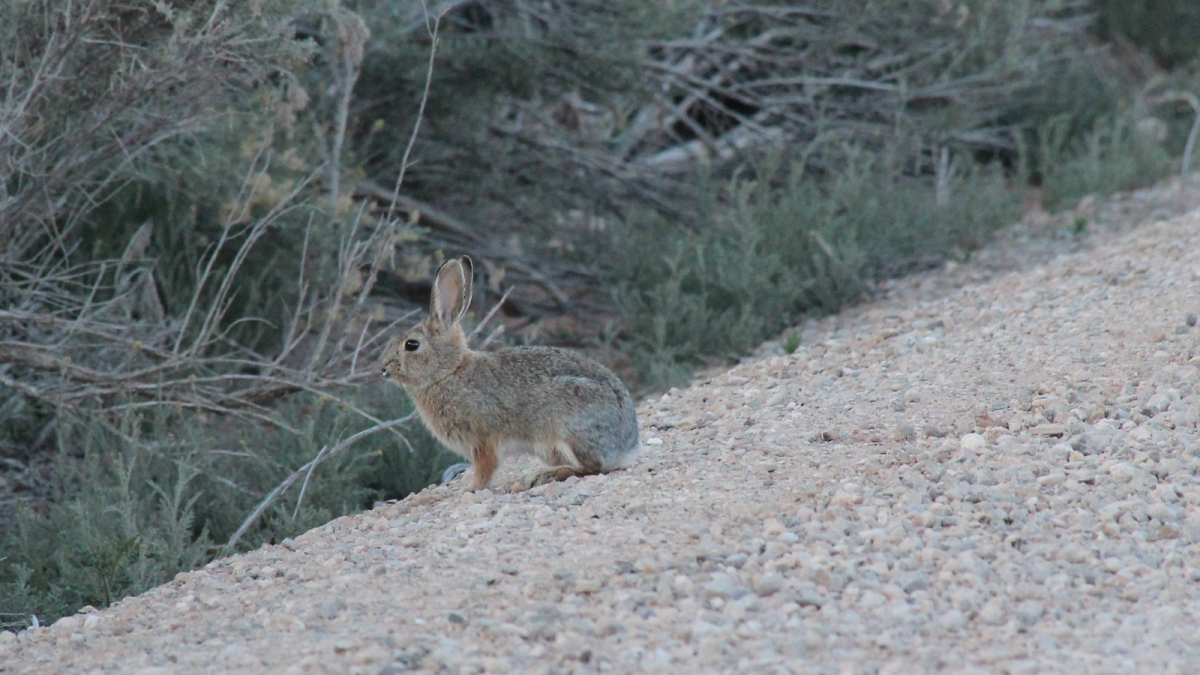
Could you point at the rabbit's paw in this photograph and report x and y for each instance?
(532, 480)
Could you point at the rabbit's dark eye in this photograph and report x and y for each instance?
(411, 345)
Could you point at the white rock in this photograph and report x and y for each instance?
(952, 620)
(1052, 480)
(871, 600)
(647, 566)
(773, 528)
(1163, 512)
(845, 499)
(67, 624)
(1115, 509)
(973, 442)
(1127, 473)
(1029, 611)
(992, 612)
(683, 584)
(1075, 554)
(1158, 403)
(721, 586)
(768, 584)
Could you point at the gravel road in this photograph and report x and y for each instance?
(982, 472)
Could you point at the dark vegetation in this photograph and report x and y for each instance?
(205, 240)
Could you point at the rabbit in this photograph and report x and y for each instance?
(566, 409)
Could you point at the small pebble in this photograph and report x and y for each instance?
(768, 584)
(973, 442)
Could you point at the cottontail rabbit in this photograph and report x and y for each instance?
(565, 408)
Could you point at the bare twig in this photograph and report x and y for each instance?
(431, 26)
(197, 294)
(489, 315)
(153, 97)
(496, 332)
(1192, 101)
(352, 34)
(86, 336)
(945, 171)
(308, 475)
(322, 456)
(428, 215)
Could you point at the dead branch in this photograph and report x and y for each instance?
(325, 453)
(1194, 102)
(93, 337)
(428, 215)
(488, 317)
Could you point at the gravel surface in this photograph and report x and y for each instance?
(984, 471)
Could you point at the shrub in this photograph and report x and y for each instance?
(1111, 156)
(607, 108)
(161, 492)
(771, 254)
(113, 86)
(184, 312)
(1167, 29)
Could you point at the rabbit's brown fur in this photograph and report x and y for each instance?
(563, 407)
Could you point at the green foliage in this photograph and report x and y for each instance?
(791, 342)
(1111, 156)
(1168, 29)
(772, 254)
(159, 493)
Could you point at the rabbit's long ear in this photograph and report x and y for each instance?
(451, 292)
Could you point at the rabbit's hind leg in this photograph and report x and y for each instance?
(553, 474)
(565, 462)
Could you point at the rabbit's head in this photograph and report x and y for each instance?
(436, 346)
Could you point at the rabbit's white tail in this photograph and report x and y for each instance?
(625, 459)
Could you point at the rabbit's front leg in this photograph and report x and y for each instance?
(484, 461)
